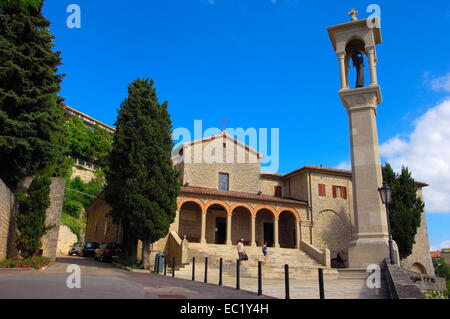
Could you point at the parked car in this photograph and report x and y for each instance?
(74, 249)
(88, 249)
(108, 252)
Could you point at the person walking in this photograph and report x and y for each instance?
(265, 252)
(240, 250)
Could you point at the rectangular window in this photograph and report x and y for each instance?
(277, 191)
(339, 192)
(223, 181)
(322, 191)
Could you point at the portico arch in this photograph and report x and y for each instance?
(190, 220)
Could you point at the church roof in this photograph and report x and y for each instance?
(235, 194)
(225, 135)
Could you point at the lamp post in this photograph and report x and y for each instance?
(385, 193)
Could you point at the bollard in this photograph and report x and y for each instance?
(206, 270)
(165, 266)
(321, 290)
(156, 270)
(193, 268)
(237, 275)
(173, 267)
(220, 271)
(259, 278)
(286, 280)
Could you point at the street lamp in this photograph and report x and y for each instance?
(385, 194)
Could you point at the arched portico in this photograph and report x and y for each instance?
(216, 221)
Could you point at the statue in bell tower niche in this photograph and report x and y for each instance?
(358, 63)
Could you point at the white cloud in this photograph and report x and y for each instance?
(445, 244)
(344, 165)
(426, 152)
(441, 84)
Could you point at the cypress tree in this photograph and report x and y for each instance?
(405, 208)
(31, 113)
(142, 183)
(30, 221)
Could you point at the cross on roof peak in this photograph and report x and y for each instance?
(223, 122)
(353, 13)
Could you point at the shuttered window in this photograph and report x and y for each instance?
(322, 191)
(277, 191)
(339, 192)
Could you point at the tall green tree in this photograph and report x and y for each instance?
(405, 208)
(142, 183)
(30, 220)
(31, 113)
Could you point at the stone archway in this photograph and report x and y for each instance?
(190, 221)
(287, 231)
(332, 230)
(216, 223)
(264, 224)
(419, 268)
(241, 222)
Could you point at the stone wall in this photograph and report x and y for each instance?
(86, 175)
(8, 210)
(420, 258)
(65, 240)
(53, 213)
(100, 228)
(243, 177)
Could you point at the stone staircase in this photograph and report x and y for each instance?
(301, 266)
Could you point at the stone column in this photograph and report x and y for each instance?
(228, 242)
(372, 65)
(369, 244)
(203, 234)
(253, 231)
(276, 243)
(342, 70)
(297, 234)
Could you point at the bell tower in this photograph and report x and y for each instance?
(352, 41)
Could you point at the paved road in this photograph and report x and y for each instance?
(105, 281)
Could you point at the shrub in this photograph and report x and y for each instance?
(35, 262)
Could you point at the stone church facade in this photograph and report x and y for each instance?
(226, 197)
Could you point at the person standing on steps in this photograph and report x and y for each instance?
(265, 252)
(240, 250)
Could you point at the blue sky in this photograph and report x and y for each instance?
(270, 64)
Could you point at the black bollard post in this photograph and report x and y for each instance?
(237, 275)
(206, 270)
(220, 271)
(286, 280)
(173, 267)
(193, 268)
(259, 278)
(156, 270)
(165, 265)
(321, 289)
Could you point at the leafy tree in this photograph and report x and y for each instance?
(441, 268)
(92, 145)
(31, 225)
(405, 208)
(31, 113)
(142, 184)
